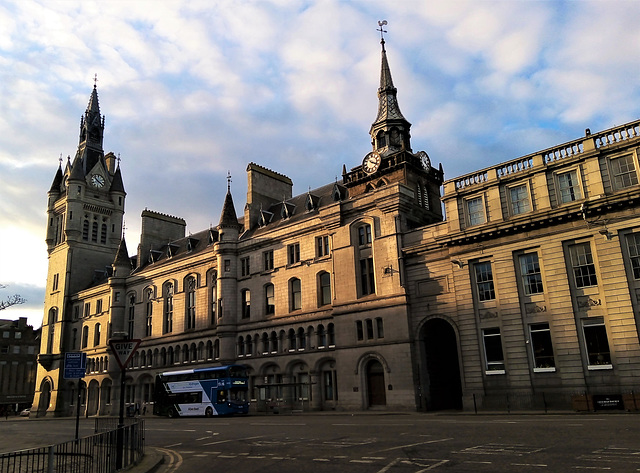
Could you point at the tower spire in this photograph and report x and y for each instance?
(390, 130)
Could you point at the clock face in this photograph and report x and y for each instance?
(97, 180)
(371, 162)
(424, 158)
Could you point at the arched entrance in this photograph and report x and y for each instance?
(444, 389)
(376, 393)
(93, 396)
(45, 398)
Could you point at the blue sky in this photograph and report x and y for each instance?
(192, 90)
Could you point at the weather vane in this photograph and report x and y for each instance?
(95, 78)
(228, 181)
(381, 30)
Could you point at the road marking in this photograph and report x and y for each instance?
(202, 438)
(541, 465)
(173, 445)
(175, 460)
(274, 424)
(321, 460)
(234, 440)
(591, 468)
(415, 444)
(360, 461)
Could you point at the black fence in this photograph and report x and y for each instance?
(94, 454)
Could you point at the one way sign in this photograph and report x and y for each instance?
(124, 350)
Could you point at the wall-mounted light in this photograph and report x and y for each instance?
(459, 263)
(606, 233)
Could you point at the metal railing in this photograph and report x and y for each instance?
(94, 454)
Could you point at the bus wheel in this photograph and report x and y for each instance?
(172, 412)
(208, 412)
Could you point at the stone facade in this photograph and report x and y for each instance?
(358, 295)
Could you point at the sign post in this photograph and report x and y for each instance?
(75, 367)
(123, 349)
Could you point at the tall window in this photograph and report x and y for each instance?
(541, 346)
(367, 277)
(364, 235)
(293, 252)
(322, 246)
(569, 186)
(191, 302)
(267, 259)
(530, 273)
(519, 198)
(624, 172)
(296, 294)
(324, 281)
(475, 211)
(584, 270)
(85, 336)
(85, 229)
(167, 325)
(633, 244)
(245, 269)
(213, 303)
(149, 311)
(493, 350)
(96, 335)
(131, 315)
(246, 303)
(53, 315)
(269, 299)
(94, 231)
(484, 281)
(597, 345)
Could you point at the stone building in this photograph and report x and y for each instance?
(358, 294)
(19, 345)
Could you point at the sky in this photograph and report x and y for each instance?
(193, 90)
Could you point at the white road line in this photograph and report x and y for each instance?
(541, 465)
(591, 468)
(235, 440)
(321, 460)
(173, 445)
(415, 444)
(203, 438)
(360, 461)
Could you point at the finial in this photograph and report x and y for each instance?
(124, 228)
(60, 159)
(95, 79)
(118, 159)
(382, 31)
(228, 181)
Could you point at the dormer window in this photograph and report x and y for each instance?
(287, 210)
(311, 203)
(265, 218)
(172, 249)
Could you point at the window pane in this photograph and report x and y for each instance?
(624, 172)
(633, 244)
(595, 337)
(493, 349)
(569, 187)
(584, 270)
(484, 281)
(542, 346)
(530, 271)
(519, 200)
(475, 210)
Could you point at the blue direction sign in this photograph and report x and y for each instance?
(75, 365)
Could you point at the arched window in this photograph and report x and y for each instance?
(53, 316)
(246, 303)
(170, 359)
(265, 344)
(85, 336)
(191, 302)
(94, 232)
(364, 235)
(149, 311)
(131, 315)
(331, 335)
(296, 294)
(292, 339)
(249, 344)
(241, 346)
(85, 229)
(269, 299)
(209, 350)
(302, 339)
(324, 286)
(216, 349)
(213, 294)
(103, 234)
(274, 342)
(96, 335)
(322, 337)
(167, 318)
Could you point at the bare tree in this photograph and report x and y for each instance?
(11, 300)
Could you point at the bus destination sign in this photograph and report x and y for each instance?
(124, 350)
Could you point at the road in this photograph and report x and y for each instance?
(392, 443)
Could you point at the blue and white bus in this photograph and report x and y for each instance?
(202, 392)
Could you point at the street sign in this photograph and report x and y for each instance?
(75, 365)
(123, 350)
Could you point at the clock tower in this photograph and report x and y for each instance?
(85, 214)
(392, 160)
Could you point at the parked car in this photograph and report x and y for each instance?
(25, 412)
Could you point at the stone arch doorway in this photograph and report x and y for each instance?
(45, 398)
(376, 392)
(440, 348)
